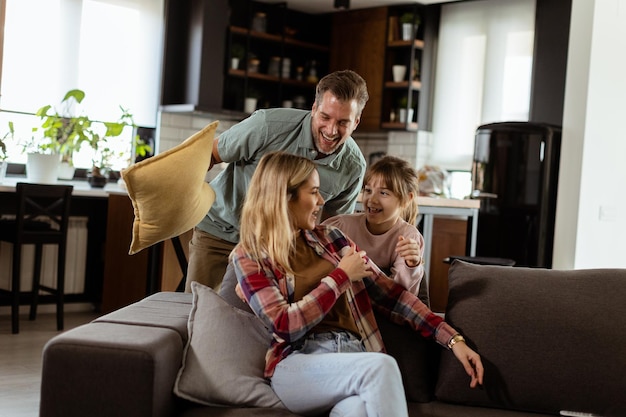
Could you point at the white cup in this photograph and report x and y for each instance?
(249, 105)
(399, 71)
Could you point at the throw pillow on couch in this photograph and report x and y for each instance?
(224, 359)
(568, 358)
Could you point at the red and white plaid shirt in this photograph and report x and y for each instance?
(270, 295)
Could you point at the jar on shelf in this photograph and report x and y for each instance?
(259, 22)
(253, 65)
(286, 69)
(312, 75)
(273, 68)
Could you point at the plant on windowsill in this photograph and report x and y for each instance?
(65, 129)
(3, 151)
(103, 151)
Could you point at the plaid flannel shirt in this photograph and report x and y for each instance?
(270, 295)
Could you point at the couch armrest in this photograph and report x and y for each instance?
(110, 369)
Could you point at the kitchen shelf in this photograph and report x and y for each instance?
(291, 48)
(401, 98)
(278, 39)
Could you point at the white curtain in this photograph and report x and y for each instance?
(111, 49)
(483, 73)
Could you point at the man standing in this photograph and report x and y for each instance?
(322, 134)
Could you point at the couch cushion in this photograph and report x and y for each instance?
(224, 359)
(417, 357)
(550, 340)
(159, 310)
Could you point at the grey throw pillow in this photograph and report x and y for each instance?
(550, 340)
(224, 358)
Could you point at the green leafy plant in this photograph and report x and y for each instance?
(237, 50)
(3, 146)
(65, 129)
(62, 130)
(409, 17)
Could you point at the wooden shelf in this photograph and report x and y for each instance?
(266, 77)
(417, 43)
(278, 38)
(415, 84)
(400, 126)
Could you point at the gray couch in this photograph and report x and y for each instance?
(550, 340)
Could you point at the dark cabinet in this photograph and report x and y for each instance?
(358, 43)
(194, 46)
(280, 55)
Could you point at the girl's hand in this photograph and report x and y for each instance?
(470, 361)
(354, 264)
(409, 249)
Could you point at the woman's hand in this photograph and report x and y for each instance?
(470, 361)
(354, 264)
(409, 249)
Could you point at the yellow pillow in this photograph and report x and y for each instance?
(168, 191)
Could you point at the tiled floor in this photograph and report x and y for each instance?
(20, 359)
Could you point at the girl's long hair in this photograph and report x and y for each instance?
(401, 179)
(267, 229)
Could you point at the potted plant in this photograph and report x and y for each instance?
(237, 53)
(103, 152)
(63, 131)
(3, 151)
(409, 24)
(405, 114)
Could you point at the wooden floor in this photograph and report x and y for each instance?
(20, 359)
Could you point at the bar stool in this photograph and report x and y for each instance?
(41, 218)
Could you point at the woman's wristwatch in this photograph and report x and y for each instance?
(455, 339)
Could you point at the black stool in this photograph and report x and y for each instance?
(41, 218)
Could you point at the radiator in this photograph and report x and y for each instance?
(75, 261)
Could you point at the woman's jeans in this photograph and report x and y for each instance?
(332, 371)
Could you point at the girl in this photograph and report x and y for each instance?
(386, 228)
(316, 290)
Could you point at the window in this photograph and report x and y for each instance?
(111, 49)
(483, 73)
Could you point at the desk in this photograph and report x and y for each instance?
(114, 278)
(81, 188)
(429, 207)
(88, 202)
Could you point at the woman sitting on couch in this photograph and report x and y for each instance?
(315, 290)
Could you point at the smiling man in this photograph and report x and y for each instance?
(322, 134)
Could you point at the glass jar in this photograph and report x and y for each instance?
(259, 22)
(273, 68)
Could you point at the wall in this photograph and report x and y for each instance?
(590, 219)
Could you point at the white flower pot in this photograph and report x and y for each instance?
(398, 72)
(66, 171)
(42, 168)
(408, 31)
(3, 170)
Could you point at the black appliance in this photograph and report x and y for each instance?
(515, 175)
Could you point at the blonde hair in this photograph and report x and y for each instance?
(401, 179)
(267, 229)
